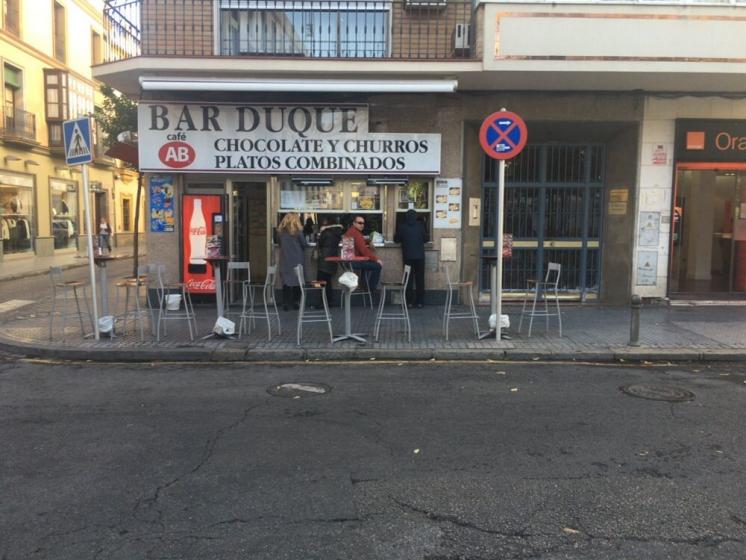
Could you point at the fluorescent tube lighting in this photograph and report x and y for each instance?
(342, 86)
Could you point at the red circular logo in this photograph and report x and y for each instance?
(177, 154)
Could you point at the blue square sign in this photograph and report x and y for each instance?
(77, 136)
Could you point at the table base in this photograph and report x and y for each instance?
(351, 336)
(491, 334)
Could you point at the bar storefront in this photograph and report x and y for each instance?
(263, 161)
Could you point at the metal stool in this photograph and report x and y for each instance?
(449, 314)
(249, 314)
(311, 315)
(235, 279)
(165, 314)
(69, 290)
(541, 289)
(403, 314)
(364, 276)
(133, 284)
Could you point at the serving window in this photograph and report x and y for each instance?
(414, 195)
(336, 201)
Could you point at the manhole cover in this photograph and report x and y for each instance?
(298, 389)
(657, 392)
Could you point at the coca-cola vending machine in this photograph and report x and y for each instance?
(202, 218)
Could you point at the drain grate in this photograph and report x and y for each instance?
(298, 389)
(657, 392)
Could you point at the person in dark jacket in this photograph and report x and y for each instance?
(412, 235)
(327, 245)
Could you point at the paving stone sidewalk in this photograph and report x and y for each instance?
(590, 332)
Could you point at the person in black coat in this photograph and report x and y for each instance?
(412, 235)
(327, 245)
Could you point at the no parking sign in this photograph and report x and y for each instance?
(503, 135)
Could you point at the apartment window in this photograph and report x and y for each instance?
(126, 213)
(347, 30)
(66, 97)
(59, 31)
(95, 48)
(11, 96)
(12, 16)
(56, 104)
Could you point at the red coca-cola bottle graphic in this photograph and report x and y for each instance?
(197, 240)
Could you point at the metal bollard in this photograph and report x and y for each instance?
(634, 321)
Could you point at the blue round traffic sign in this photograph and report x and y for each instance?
(503, 135)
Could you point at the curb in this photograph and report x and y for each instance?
(237, 354)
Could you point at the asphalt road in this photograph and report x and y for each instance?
(435, 461)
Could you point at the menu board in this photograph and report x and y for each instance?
(447, 204)
(161, 203)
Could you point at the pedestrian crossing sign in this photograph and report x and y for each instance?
(77, 135)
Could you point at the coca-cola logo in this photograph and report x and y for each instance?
(177, 154)
(199, 230)
(200, 285)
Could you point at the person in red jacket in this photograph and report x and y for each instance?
(372, 266)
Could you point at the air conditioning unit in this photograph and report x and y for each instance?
(461, 43)
(425, 4)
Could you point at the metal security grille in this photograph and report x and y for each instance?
(553, 208)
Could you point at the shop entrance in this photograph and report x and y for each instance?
(249, 226)
(708, 238)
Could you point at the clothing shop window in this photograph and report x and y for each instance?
(126, 213)
(337, 201)
(415, 195)
(16, 213)
(59, 31)
(64, 198)
(12, 16)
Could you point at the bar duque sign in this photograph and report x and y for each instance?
(267, 138)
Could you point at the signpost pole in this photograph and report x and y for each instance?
(89, 239)
(499, 248)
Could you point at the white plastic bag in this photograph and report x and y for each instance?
(224, 327)
(349, 280)
(173, 302)
(106, 324)
(504, 321)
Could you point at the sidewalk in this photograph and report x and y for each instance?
(16, 267)
(591, 332)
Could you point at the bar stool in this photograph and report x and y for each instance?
(132, 288)
(311, 315)
(541, 290)
(403, 313)
(249, 313)
(364, 287)
(164, 313)
(69, 291)
(234, 279)
(449, 314)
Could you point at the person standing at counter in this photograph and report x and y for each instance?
(328, 246)
(412, 235)
(374, 264)
(292, 253)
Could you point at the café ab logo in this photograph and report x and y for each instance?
(177, 153)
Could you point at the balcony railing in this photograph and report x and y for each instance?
(18, 124)
(343, 29)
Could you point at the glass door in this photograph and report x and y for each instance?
(708, 240)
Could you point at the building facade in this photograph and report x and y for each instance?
(339, 108)
(46, 53)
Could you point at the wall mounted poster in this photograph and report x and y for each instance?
(447, 204)
(647, 268)
(649, 230)
(161, 203)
